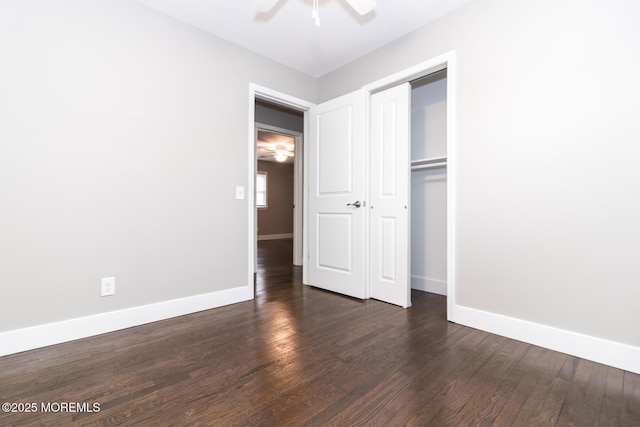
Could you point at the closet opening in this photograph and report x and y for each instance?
(428, 222)
(410, 209)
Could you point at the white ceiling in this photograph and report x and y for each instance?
(288, 35)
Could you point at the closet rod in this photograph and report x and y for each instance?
(428, 166)
(432, 160)
(429, 160)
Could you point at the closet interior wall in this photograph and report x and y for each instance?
(429, 183)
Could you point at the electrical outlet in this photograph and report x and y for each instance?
(108, 286)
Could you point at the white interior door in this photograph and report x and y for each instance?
(390, 194)
(336, 196)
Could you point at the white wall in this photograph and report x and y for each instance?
(123, 134)
(547, 180)
(429, 186)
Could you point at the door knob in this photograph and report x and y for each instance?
(357, 204)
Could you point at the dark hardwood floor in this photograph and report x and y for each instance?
(301, 356)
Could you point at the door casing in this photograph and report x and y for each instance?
(280, 98)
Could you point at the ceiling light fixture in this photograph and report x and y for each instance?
(281, 157)
(281, 153)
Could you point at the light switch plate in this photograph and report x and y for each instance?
(240, 192)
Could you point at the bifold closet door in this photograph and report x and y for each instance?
(337, 230)
(390, 195)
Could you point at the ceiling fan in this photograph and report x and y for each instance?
(271, 145)
(361, 6)
(279, 152)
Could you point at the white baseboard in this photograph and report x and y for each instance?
(55, 333)
(275, 236)
(435, 286)
(618, 355)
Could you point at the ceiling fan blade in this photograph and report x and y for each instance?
(264, 6)
(362, 6)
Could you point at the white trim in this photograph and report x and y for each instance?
(305, 200)
(599, 350)
(280, 98)
(298, 208)
(452, 168)
(448, 61)
(425, 284)
(82, 327)
(276, 129)
(275, 236)
(252, 217)
(425, 68)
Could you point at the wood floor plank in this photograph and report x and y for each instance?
(594, 394)
(572, 410)
(482, 408)
(300, 356)
(517, 387)
(548, 369)
(611, 408)
(631, 399)
(462, 386)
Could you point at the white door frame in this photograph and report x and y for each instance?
(261, 92)
(297, 185)
(441, 62)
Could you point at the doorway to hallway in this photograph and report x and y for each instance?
(275, 273)
(278, 169)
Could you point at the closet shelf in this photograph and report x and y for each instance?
(433, 162)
